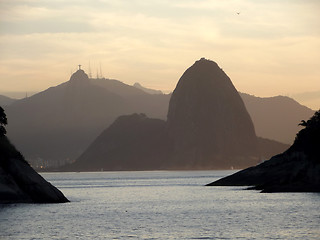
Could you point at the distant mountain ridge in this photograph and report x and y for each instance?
(147, 90)
(276, 117)
(56, 125)
(5, 101)
(208, 127)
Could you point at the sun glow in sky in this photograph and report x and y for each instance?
(272, 47)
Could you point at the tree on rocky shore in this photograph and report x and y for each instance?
(308, 139)
(3, 122)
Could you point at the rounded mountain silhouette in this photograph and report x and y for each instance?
(132, 142)
(208, 127)
(58, 124)
(207, 119)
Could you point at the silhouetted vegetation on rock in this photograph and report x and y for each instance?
(308, 139)
(295, 170)
(3, 122)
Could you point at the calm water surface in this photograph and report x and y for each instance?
(161, 205)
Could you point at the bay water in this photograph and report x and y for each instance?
(161, 205)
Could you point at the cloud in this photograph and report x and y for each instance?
(268, 49)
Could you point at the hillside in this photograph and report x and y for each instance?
(132, 142)
(5, 101)
(148, 90)
(56, 125)
(208, 127)
(276, 117)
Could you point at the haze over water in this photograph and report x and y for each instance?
(161, 205)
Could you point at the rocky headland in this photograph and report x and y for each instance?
(295, 170)
(19, 182)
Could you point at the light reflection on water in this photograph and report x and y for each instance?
(161, 205)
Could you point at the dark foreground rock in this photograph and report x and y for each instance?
(19, 183)
(287, 172)
(295, 170)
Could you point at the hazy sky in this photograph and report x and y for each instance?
(272, 47)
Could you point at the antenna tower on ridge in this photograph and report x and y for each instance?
(90, 75)
(100, 71)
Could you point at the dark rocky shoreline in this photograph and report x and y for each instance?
(295, 170)
(19, 182)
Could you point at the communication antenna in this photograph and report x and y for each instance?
(100, 71)
(90, 75)
(97, 74)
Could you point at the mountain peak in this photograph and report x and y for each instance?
(79, 75)
(147, 90)
(207, 118)
(205, 73)
(206, 62)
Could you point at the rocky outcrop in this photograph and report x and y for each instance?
(132, 142)
(19, 183)
(295, 170)
(208, 122)
(208, 127)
